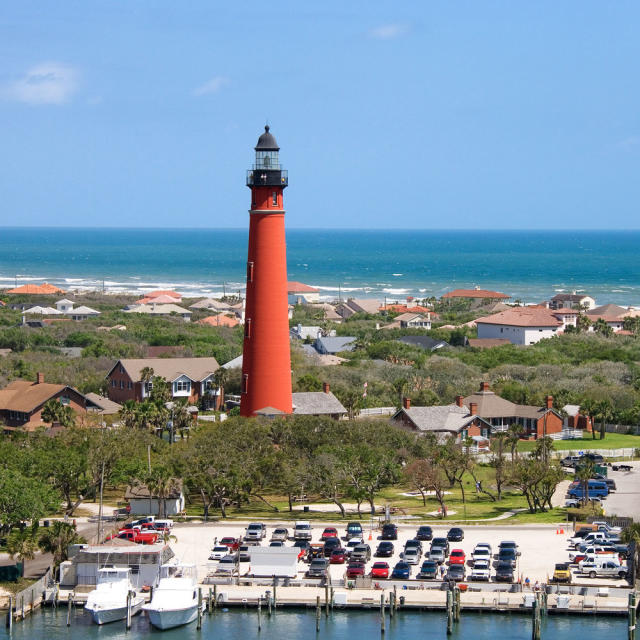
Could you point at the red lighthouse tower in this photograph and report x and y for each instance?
(266, 364)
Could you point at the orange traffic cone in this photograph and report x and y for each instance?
(370, 536)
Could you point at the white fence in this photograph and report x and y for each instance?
(378, 411)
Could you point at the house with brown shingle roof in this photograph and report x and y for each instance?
(524, 325)
(475, 296)
(189, 378)
(22, 401)
(572, 301)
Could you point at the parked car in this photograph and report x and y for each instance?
(302, 530)
(355, 569)
(456, 572)
(413, 544)
(608, 569)
(509, 544)
(389, 532)
(243, 553)
(385, 549)
(481, 571)
(331, 544)
(318, 568)
(380, 570)
(402, 571)
(428, 570)
(504, 572)
(441, 543)
(425, 532)
(596, 458)
(227, 566)
(607, 528)
(457, 556)
(218, 552)
(595, 489)
(570, 461)
(231, 543)
(610, 482)
(354, 530)
(255, 531)
(412, 555)
(480, 554)
(361, 553)
(507, 555)
(455, 534)
(280, 533)
(338, 556)
(437, 555)
(352, 544)
(315, 550)
(562, 573)
(276, 543)
(139, 537)
(329, 532)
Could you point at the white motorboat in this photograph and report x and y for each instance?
(175, 599)
(108, 601)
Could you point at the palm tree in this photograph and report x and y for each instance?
(583, 473)
(631, 535)
(160, 483)
(514, 433)
(146, 376)
(128, 414)
(604, 411)
(603, 328)
(57, 538)
(220, 379)
(22, 544)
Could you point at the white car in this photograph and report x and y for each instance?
(480, 554)
(481, 570)
(411, 555)
(352, 544)
(218, 552)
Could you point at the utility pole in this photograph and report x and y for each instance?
(100, 509)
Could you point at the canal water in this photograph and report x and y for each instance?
(238, 624)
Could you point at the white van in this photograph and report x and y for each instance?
(302, 530)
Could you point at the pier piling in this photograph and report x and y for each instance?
(210, 602)
(456, 604)
(215, 596)
(69, 607)
(632, 616)
(382, 618)
(259, 613)
(535, 615)
(317, 614)
(10, 615)
(449, 612)
(128, 610)
(326, 599)
(199, 609)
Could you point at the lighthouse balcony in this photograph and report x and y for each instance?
(260, 177)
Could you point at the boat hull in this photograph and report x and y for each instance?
(168, 619)
(105, 616)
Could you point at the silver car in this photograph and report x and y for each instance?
(280, 533)
(412, 555)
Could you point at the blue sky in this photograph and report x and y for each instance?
(389, 114)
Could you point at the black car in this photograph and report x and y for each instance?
(329, 545)
(504, 572)
(424, 532)
(413, 544)
(385, 549)
(428, 570)
(318, 568)
(440, 543)
(456, 572)
(596, 458)
(389, 532)
(456, 534)
(507, 555)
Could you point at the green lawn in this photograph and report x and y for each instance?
(612, 441)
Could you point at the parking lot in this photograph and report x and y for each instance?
(541, 546)
(625, 500)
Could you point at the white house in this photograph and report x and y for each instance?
(300, 293)
(571, 301)
(521, 325)
(144, 502)
(64, 305)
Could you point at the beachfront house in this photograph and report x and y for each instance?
(330, 345)
(571, 301)
(410, 321)
(477, 296)
(612, 314)
(191, 379)
(300, 293)
(357, 305)
(154, 309)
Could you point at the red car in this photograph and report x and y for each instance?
(355, 569)
(338, 556)
(380, 570)
(232, 543)
(457, 556)
(329, 532)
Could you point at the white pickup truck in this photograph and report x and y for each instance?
(599, 569)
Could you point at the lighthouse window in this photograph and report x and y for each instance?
(275, 198)
(245, 383)
(247, 328)
(249, 271)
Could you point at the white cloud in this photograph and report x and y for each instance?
(388, 31)
(46, 83)
(211, 86)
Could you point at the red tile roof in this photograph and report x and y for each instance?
(173, 294)
(220, 320)
(523, 317)
(36, 289)
(476, 293)
(299, 287)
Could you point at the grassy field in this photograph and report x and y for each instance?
(612, 441)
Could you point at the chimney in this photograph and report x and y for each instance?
(459, 400)
(549, 402)
(325, 387)
(473, 408)
(39, 378)
(484, 386)
(406, 403)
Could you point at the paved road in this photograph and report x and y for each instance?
(625, 501)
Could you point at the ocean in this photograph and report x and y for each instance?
(241, 624)
(528, 265)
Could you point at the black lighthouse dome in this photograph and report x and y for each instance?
(267, 142)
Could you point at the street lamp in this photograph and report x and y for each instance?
(170, 406)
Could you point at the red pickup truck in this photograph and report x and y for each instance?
(140, 537)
